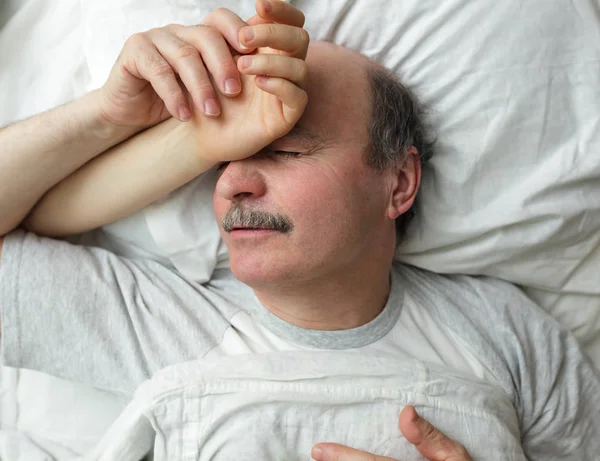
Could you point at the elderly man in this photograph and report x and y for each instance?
(308, 198)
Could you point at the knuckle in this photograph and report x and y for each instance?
(224, 68)
(137, 40)
(186, 51)
(270, 30)
(221, 11)
(172, 27)
(211, 32)
(198, 29)
(431, 433)
(160, 69)
(270, 60)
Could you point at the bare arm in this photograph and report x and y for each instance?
(1, 244)
(123, 180)
(145, 168)
(39, 152)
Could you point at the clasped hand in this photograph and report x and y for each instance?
(258, 93)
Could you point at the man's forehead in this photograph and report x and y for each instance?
(338, 93)
(301, 133)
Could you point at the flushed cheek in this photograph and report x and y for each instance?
(322, 216)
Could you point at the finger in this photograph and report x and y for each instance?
(216, 56)
(336, 452)
(292, 40)
(256, 19)
(144, 61)
(430, 441)
(292, 97)
(185, 59)
(228, 24)
(277, 11)
(293, 69)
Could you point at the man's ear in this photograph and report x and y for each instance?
(406, 181)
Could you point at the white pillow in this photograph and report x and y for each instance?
(514, 87)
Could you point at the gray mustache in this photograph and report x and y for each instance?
(237, 217)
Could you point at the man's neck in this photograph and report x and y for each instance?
(342, 301)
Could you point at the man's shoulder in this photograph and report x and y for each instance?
(473, 296)
(499, 323)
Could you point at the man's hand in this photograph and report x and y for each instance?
(431, 443)
(143, 87)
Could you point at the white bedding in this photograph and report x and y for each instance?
(513, 191)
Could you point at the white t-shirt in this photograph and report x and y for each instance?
(88, 315)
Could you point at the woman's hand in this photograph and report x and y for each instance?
(431, 443)
(271, 102)
(157, 69)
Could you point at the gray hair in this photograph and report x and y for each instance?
(397, 123)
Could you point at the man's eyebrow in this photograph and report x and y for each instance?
(301, 134)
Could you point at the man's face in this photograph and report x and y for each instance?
(324, 208)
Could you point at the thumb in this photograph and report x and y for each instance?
(337, 452)
(430, 441)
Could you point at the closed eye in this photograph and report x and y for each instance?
(279, 153)
(285, 153)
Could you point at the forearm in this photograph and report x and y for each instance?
(123, 180)
(39, 152)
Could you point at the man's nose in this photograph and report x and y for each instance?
(240, 180)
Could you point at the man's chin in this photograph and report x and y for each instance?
(256, 273)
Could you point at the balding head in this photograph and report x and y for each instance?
(339, 104)
(354, 97)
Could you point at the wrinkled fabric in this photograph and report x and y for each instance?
(278, 405)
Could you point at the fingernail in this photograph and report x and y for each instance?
(268, 6)
(318, 454)
(211, 107)
(184, 113)
(232, 86)
(248, 33)
(245, 62)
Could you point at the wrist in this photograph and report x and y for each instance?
(105, 130)
(190, 144)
